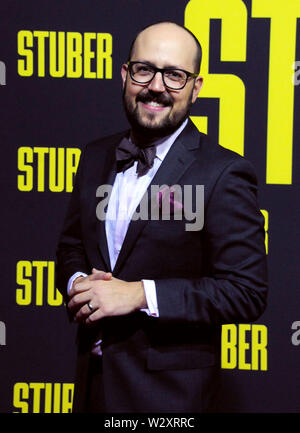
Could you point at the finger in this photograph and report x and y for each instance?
(94, 316)
(79, 299)
(94, 271)
(76, 281)
(106, 276)
(80, 286)
(98, 271)
(84, 312)
(100, 275)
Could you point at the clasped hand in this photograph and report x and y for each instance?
(106, 295)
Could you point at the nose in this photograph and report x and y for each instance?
(157, 84)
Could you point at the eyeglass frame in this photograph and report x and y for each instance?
(161, 70)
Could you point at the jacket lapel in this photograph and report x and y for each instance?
(175, 164)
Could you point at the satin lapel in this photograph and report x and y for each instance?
(177, 161)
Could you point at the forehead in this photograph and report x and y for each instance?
(165, 45)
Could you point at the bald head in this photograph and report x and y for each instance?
(155, 109)
(169, 32)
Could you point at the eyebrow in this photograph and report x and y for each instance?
(165, 67)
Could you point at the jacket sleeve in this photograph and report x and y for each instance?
(70, 254)
(235, 287)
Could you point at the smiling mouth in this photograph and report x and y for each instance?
(154, 106)
(154, 103)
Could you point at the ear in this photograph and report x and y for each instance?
(197, 87)
(124, 73)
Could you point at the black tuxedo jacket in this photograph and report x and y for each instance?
(203, 279)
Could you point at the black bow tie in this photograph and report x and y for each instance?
(127, 152)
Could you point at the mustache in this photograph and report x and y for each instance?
(161, 98)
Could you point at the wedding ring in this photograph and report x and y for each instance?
(90, 306)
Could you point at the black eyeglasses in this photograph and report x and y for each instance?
(173, 78)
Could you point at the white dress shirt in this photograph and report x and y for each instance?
(127, 192)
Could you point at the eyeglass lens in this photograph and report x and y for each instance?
(143, 73)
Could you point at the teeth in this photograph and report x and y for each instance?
(155, 104)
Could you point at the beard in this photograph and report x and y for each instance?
(148, 128)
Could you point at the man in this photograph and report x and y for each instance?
(149, 294)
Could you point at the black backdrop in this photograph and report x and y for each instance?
(39, 113)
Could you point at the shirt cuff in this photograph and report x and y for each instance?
(74, 276)
(151, 298)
